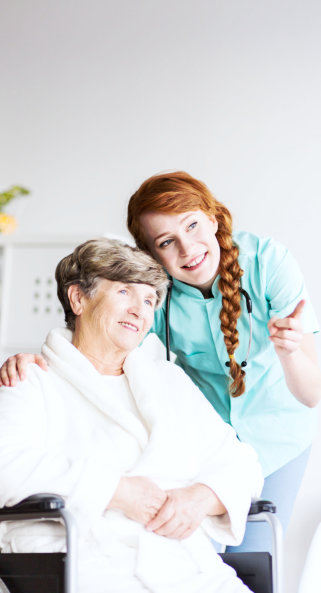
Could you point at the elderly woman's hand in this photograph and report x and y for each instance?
(184, 510)
(15, 368)
(139, 498)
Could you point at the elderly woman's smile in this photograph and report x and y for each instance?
(129, 326)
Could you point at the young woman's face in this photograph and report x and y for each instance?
(185, 244)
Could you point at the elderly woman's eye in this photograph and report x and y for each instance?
(149, 302)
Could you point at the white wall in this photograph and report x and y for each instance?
(96, 95)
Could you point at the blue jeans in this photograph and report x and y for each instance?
(281, 488)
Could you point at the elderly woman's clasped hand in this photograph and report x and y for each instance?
(139, 498)
(175, 513)
(184, 510)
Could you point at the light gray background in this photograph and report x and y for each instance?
(97, 95)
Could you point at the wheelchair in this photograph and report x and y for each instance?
(57, 572)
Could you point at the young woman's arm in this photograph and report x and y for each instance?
(298, 356)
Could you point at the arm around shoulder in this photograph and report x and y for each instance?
(15, 367)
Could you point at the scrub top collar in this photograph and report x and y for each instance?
(195, 292)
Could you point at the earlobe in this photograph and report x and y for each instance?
(75, 295)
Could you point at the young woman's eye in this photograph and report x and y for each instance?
(123, 291)
(148, 302)
(165, 243)
(192, 226)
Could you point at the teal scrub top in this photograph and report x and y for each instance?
(267, 415)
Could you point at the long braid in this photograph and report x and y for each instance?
(229, 285)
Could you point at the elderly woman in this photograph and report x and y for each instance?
(146, 465)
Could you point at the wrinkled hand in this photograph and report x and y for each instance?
(287, 334)
(184, 510)
(15, 368)
(139, 498)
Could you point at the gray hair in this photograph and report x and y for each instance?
(110, 259)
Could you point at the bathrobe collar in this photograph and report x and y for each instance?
(142, 374)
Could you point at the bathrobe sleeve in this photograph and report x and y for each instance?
(33, 453)
(229, 467)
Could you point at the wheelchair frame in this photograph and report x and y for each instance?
(51, 506)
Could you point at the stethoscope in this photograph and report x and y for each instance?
(248, 301)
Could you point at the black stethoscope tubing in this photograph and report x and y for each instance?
(248, 301)
(167, 308)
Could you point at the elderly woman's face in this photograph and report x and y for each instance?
(119, 314)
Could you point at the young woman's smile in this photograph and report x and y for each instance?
(185, 244)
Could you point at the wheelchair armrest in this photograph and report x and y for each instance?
(262, 506)
(264, 510)
(49, 506)
(37, 503)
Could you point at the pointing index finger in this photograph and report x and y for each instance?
(297, 312)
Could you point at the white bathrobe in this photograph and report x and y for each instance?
(66, 431)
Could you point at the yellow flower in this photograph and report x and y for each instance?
(8, 223)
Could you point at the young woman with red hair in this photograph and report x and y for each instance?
(263, 382)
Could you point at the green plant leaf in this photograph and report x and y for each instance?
(13, 192)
